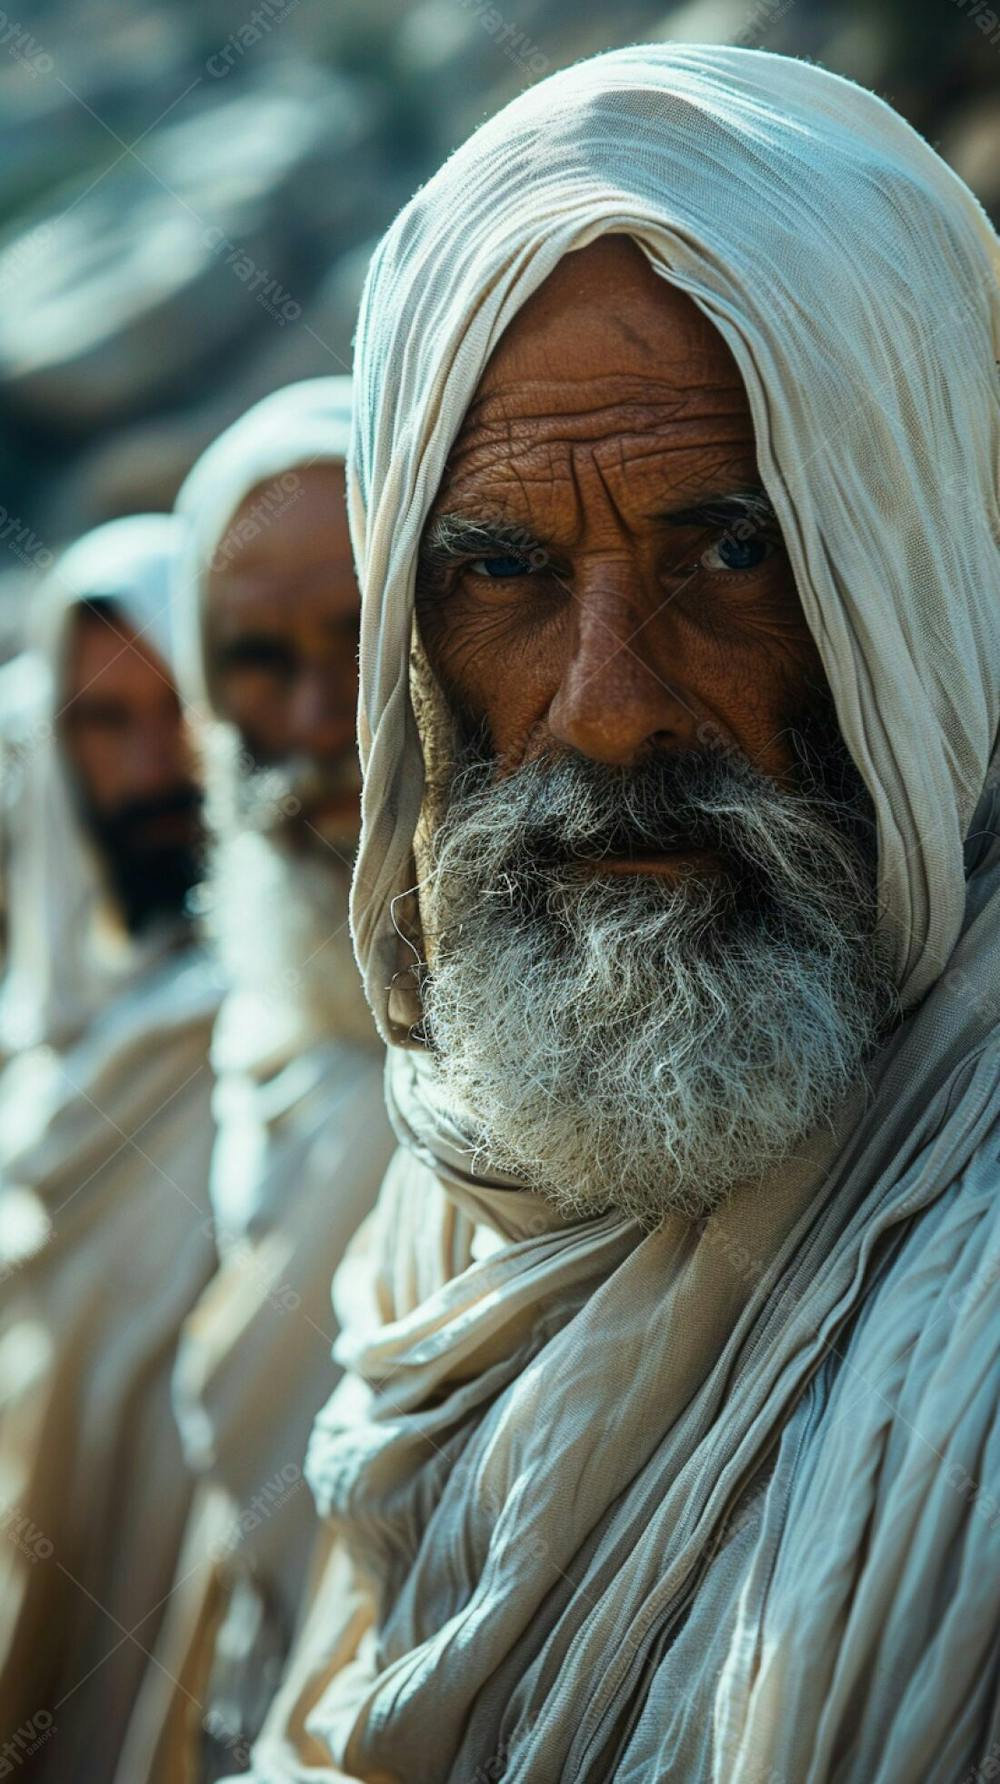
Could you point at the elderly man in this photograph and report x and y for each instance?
(675, 508)
(106, 1009)
(269, 604)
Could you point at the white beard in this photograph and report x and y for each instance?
(278, 913)
(638, 1043)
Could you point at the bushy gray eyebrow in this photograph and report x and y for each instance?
(451, 537)
(735, 509)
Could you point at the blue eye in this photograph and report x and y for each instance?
(730, 553)
(499, 567)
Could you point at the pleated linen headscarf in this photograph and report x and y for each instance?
(719, 1503)
(61, 968)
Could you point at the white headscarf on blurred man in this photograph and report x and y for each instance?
(717, 1501)
(302, 1145)
(105, 1141)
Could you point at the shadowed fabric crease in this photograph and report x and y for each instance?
(719, 1503)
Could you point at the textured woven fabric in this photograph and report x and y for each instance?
(722, 1503)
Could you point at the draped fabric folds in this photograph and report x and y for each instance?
(302, 1144)
(105, 1140)
(720, 1503)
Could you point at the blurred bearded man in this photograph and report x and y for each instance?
(106, 1009)
(270, 608)
(674, 503)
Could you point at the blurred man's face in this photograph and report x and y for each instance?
(129, 755)
(282, 632)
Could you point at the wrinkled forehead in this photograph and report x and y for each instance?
(853, 278)
(304, 504)
(299, 515)
(107, 654)
(603, 311)
(606, 363)
(285, 552)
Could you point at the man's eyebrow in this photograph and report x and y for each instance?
(449, 537)
(254, 639)
(752, 506)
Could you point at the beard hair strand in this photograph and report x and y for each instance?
(635, 1042)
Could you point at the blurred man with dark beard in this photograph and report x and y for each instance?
(674, 501)
(106, 1009)
(130, 760)
(269, 604)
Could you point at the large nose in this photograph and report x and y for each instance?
(617, 698)
(159, 756)
(321, 711)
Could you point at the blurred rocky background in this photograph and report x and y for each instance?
(191, 189)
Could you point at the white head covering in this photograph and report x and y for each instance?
(303, 424)
(854, 278)
(534, 1473)
(301, 1145)
(267, 1021)
(105, 1236)
(59, 969)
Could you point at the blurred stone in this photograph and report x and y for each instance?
(210, 231)
(970, 143)
(134, 470)
(475, 56)
(141, 466)
(142, 308)
(17, 585)
(704, 21)
(70, 98)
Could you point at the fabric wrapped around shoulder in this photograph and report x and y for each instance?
(719, 1503)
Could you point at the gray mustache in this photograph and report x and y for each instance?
(571, 809)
